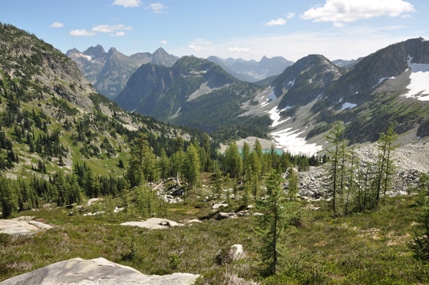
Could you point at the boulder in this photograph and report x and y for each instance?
(236, 252)
(22, 226)
(223, 215)
(153, 224)
(219, 205)
(94, 272)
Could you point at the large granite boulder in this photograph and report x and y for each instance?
(22, 226)
(153, 224)
(98, 271)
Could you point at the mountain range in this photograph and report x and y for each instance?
(299, 106)
(109, 72)
(252, 70)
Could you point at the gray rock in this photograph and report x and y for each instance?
(219, 205)
(153, 224)
(236, 252)
(22, 226)
(98, 271)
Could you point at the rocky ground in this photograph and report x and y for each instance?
(411, 160)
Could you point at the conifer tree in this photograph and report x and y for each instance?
(272, 223)
(385, 168)
(234, 164)
(335, 138)
(8, 197)
(192, 167)
(142, 164)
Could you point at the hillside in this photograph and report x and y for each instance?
(194, 92)
(52, 119)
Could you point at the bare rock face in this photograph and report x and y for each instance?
(98, 271)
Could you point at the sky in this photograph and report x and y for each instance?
(248, 29)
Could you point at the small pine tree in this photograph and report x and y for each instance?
(272, 223)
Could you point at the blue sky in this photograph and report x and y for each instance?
(247, 29)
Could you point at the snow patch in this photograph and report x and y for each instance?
(291, 83)
(87, 57)
(275, 116)
(288, 140)
(348, 105)
(419, 81)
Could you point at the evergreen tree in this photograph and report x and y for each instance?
(164, 165)
(8, 197)
(246, 161)
(142, 164)
(192, 167)
(335, 137)
(272, 223)
(385, 167)
(233, 162)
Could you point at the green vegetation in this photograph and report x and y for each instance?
(370, 248)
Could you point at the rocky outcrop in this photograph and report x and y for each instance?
(22, 226)
(153, 224)
(96, 272)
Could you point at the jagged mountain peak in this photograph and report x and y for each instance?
(72, 51)
(95, 52)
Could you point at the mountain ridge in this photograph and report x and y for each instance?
(109, 72)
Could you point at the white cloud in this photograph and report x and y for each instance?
(127, 3)
(110, 29)
(158, 8)
(277, 22)
(238, 49)
(81, 33)
(345, 11)
(56, 25)
(164, 42)
(119, 34)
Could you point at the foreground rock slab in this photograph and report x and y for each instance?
(22, 226)
(98, 271)
(153, 224)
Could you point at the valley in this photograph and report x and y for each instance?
(157, 169)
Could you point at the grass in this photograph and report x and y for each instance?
(370, 248)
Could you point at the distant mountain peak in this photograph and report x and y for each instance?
(160, 50)
(95, 52)
(252, 70)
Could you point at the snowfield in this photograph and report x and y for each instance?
(275, 116)
(419, 81)
(288, 139)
